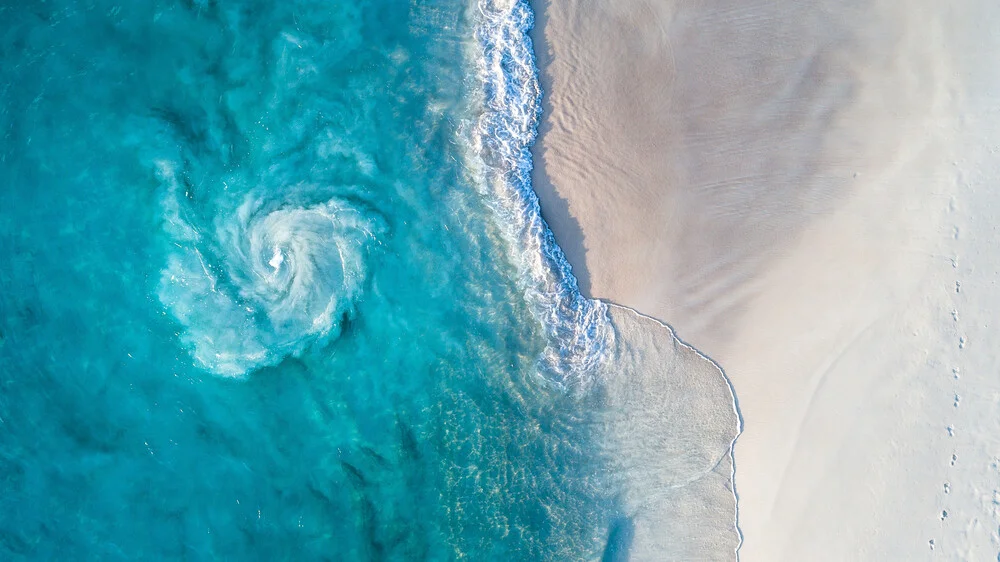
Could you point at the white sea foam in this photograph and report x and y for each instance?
(266, 281)
(579, 331)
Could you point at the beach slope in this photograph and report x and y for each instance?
(806, 192)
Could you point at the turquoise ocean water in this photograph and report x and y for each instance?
(275, 287)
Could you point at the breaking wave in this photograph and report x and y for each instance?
(578, 329)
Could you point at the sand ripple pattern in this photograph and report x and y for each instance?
(267, 281)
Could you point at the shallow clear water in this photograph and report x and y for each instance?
(275, 287)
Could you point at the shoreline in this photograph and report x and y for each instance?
(664, 469)
(579, 281)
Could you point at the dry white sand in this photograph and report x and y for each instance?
(809, 193)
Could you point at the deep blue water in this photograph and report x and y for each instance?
(275, 287)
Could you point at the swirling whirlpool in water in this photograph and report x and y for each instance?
(268, 280)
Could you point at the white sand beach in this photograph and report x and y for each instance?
(808, 193)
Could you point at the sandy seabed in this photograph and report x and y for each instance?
(809, 193)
